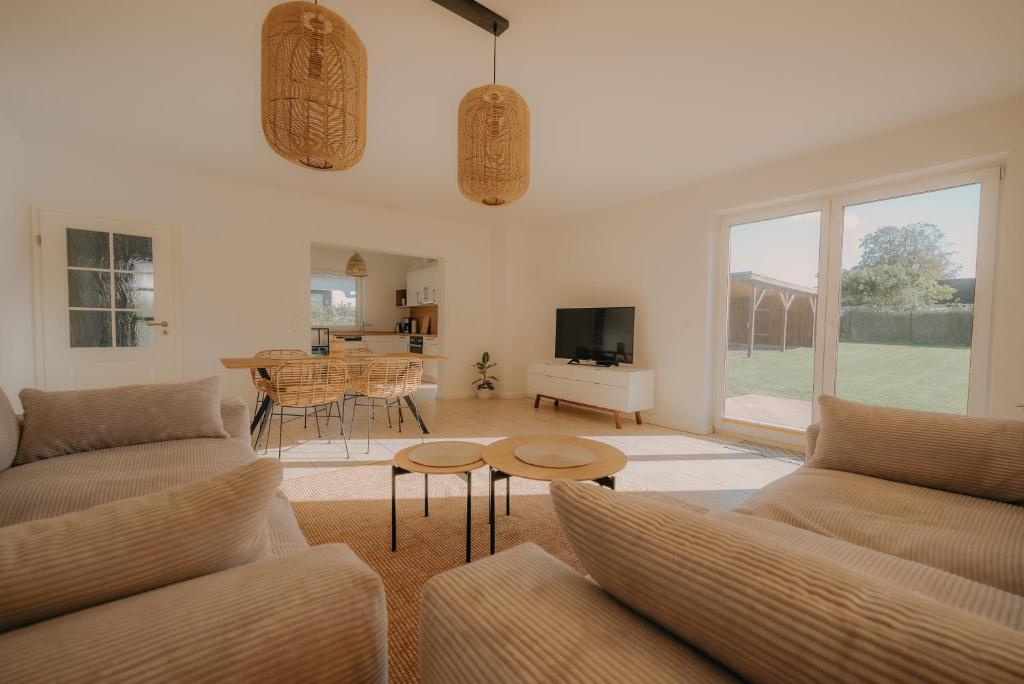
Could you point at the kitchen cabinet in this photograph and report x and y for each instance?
(380, 344)
(402, 343)
(421, 286)
(430, 368)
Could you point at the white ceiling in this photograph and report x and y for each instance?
(628, 98)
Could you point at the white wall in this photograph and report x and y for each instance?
(385, 274)
(15, 268)
(245, 254)
(245, 251)
(657, 253)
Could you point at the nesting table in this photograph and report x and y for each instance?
(404, 465)
(504, 465)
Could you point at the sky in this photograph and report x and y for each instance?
(787, 248)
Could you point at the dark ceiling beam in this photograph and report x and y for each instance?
(474, 12)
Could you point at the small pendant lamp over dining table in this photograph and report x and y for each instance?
(356, 266)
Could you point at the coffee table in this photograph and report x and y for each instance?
(403, 465)
(504, 465)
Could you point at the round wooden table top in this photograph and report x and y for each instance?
(403, 461)
(607, 459)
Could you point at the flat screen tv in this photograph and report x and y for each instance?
(601, 335)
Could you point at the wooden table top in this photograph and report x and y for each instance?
(265, 362)
(403, 461)
(607, 459)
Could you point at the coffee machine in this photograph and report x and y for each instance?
(404, 326)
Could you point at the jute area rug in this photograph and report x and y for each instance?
(353, 506)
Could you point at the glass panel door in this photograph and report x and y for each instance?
(100, 263)
(907, 299)
(772, 311)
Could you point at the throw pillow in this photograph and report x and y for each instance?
(975, 456)
(769, 612)
(58, 423)
(53, 566)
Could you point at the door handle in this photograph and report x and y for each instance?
(162, 324)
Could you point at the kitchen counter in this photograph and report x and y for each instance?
(350, 333)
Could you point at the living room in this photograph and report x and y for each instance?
(657, 133)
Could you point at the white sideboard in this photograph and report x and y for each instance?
(618, 389)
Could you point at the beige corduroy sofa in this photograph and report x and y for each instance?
(303, 614)
(823, 575)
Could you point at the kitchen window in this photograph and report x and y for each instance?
(335, 301)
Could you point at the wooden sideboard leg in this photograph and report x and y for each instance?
(639, 420)
(536, 402)
(618, 420)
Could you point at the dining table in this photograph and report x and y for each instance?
(263, 365)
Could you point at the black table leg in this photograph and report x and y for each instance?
(469, 515)
(508, 496)
(496, 475)
(490, 505)
(416, 413)
(394, 524)
(426, 496)
(264, 404)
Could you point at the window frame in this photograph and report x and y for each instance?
(832, 204)
(359, 299)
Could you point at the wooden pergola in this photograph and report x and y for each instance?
(754, 287)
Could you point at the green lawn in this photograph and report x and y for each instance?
(917, 377)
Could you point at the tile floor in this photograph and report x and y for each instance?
(708, 471)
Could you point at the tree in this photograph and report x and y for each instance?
(899, 269)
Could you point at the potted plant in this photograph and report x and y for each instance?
(485, 384)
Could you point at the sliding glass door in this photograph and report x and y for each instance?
(899, 317)
(773, 292)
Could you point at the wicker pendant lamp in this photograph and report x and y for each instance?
(356, 266)
(494, 143)
(314, 87)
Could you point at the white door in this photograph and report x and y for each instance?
(106, 293)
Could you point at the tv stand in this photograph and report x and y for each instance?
(616, 390)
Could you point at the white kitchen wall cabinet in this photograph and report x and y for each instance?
(421, 286)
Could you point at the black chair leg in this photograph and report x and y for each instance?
(280, 432)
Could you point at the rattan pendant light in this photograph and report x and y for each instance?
(314, 87)
(494, 143)
(356, 266)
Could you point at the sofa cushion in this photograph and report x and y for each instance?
(770, 612)
(10, 432)
(318, 616)
(77, 481)
(975, 456)
(58, 565)
(524, 616)
(58, 423)
(975, 538)
(981, 599)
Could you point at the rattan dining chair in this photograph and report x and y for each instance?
(311, 383)
(257, 378)
(387, 380)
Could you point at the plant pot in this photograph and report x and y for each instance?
(483, 393)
